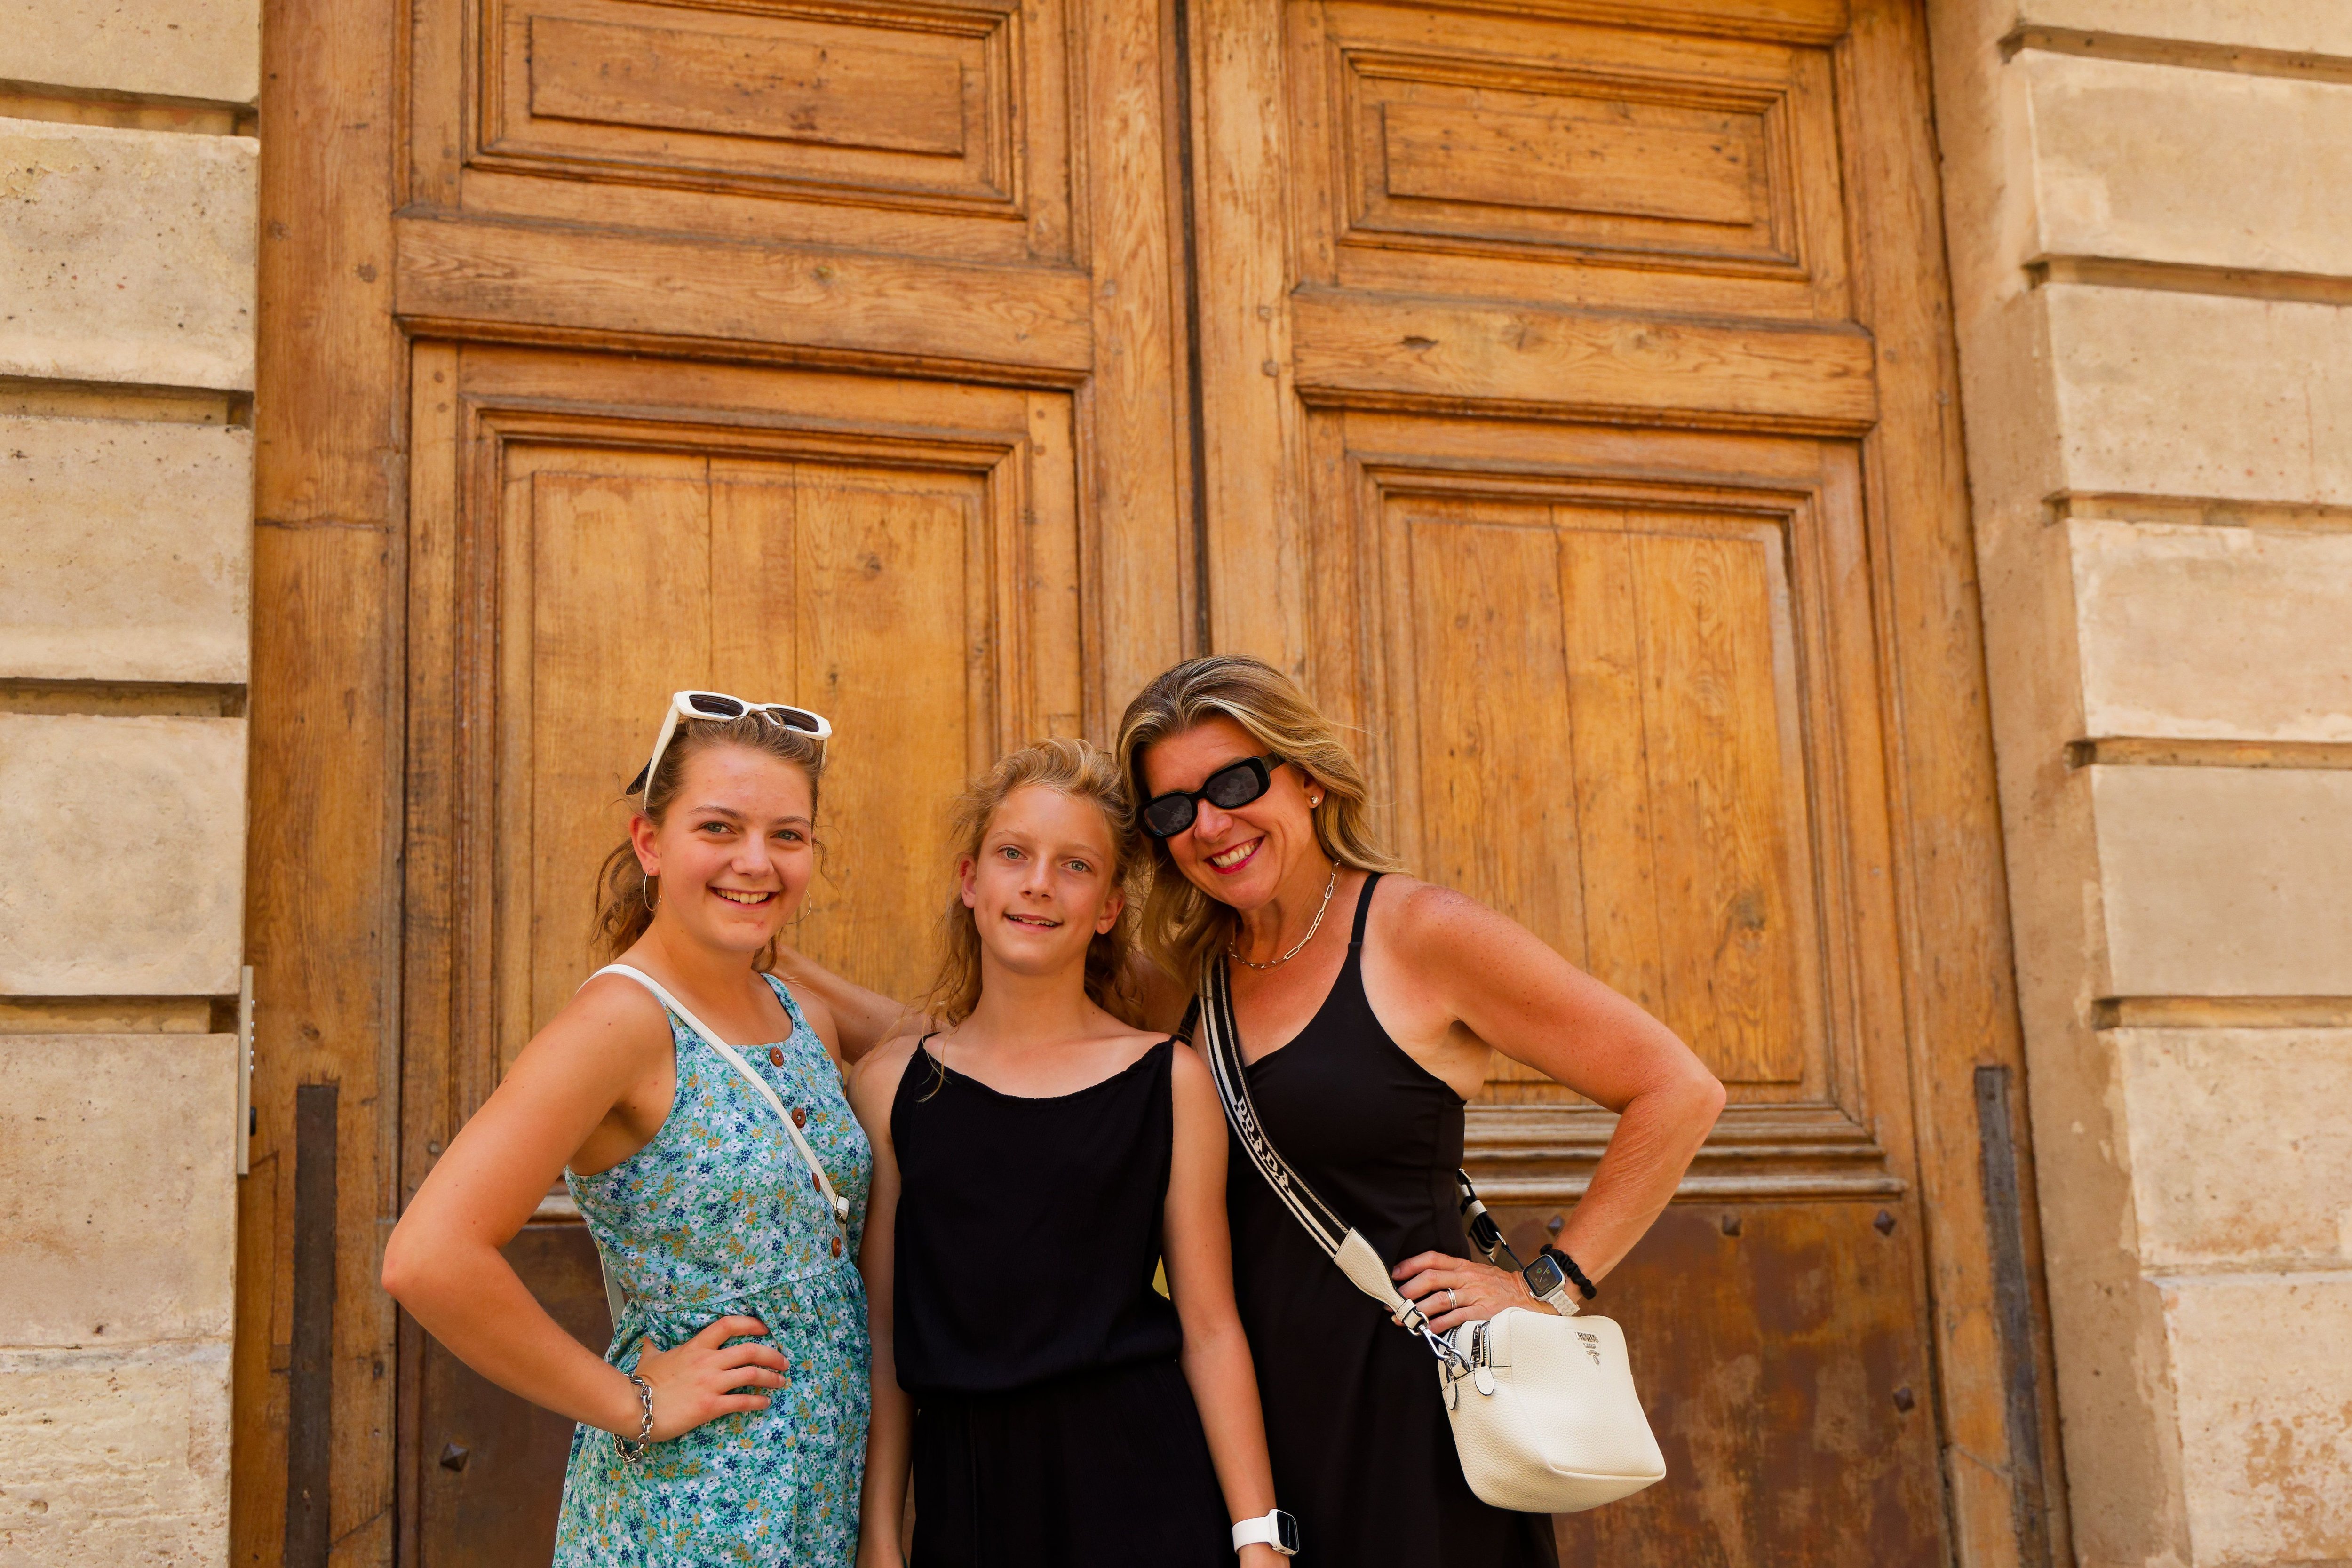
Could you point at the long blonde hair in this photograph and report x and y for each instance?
(1182, 925)
(1082, 771)
(627, 898)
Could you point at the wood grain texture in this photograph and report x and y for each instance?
(1520, 358)
(323, 834)
(1787, 1385)
(1539, 158)
(738, 84)
(466, 278)
(1623, 710)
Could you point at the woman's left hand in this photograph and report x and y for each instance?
(1452, 1291)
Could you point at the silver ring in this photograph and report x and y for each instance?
(1451, 1298)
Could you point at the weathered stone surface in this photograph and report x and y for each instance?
(180, 48)
(2225, 881)
(126, 256)
(129, 550)
(126, 864)
(115, 1458)
(2300, 27)
(2240, 1148)
(2214, 632)
(2265, 1422)
(2194, 394)
(118, 1188)
(2152, 162)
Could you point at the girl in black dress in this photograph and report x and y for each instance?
(1034, 1162)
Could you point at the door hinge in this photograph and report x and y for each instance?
(244, 1117)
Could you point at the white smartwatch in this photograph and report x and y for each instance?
(1277, 1529)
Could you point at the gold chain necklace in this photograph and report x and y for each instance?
(1233, 951)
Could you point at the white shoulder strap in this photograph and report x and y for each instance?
(1221, 1044)
(839, 1204)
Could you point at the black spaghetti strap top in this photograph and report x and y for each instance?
(1355, 1425)
(1028, 1230)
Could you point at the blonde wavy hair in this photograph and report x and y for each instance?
(1080, 770)
(1181, 924)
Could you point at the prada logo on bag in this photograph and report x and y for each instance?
(1592, 1345)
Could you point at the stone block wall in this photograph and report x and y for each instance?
(127, 274)
(2152, 271)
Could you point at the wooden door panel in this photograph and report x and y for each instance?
(1621, 678)
(493, 1464)
(909, 128)
(1567, 161)
(1635, 705)
(914, 578)
(1778, 1349)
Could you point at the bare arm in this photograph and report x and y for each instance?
(1486, 973)
(862, 1019)
(890, 1438)
(575, 1081)
(1199, 1258)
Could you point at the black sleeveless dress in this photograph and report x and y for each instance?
(1362, 1452)
(1053, 1425)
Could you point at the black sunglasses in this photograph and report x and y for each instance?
(1236, 783)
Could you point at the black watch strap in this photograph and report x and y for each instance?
(1584, 1287)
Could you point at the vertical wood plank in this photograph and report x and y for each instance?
(754, 590)
(1257, 596)
(886, 625)
(1603, 653)
(1132, 418)
(1497, 801)
(1052, 618)
(615, 572)
(1710, 717)
(323, 835)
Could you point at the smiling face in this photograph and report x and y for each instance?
(735, 849)
(1044, 883)
(1243, 856)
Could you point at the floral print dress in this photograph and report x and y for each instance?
(719, 1215)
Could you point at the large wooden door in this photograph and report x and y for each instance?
(815, 351)
(855, 262)
(1575, 384)
(1569, 395)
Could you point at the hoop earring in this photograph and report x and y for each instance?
(646, 888)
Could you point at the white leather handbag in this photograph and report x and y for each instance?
(615, 1297)
(1543, 1409)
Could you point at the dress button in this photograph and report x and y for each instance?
(837, 1246)
(800, 1116)
(815, 1185)
(776, 1056)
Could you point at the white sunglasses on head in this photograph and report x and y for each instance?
(717, 707)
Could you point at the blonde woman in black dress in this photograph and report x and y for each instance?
(1034, 1159)
(1368, 1006)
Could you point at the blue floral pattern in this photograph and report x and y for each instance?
(718, 1214)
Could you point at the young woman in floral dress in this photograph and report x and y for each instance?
(727, 1422)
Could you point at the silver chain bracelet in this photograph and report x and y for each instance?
(634, 1451)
